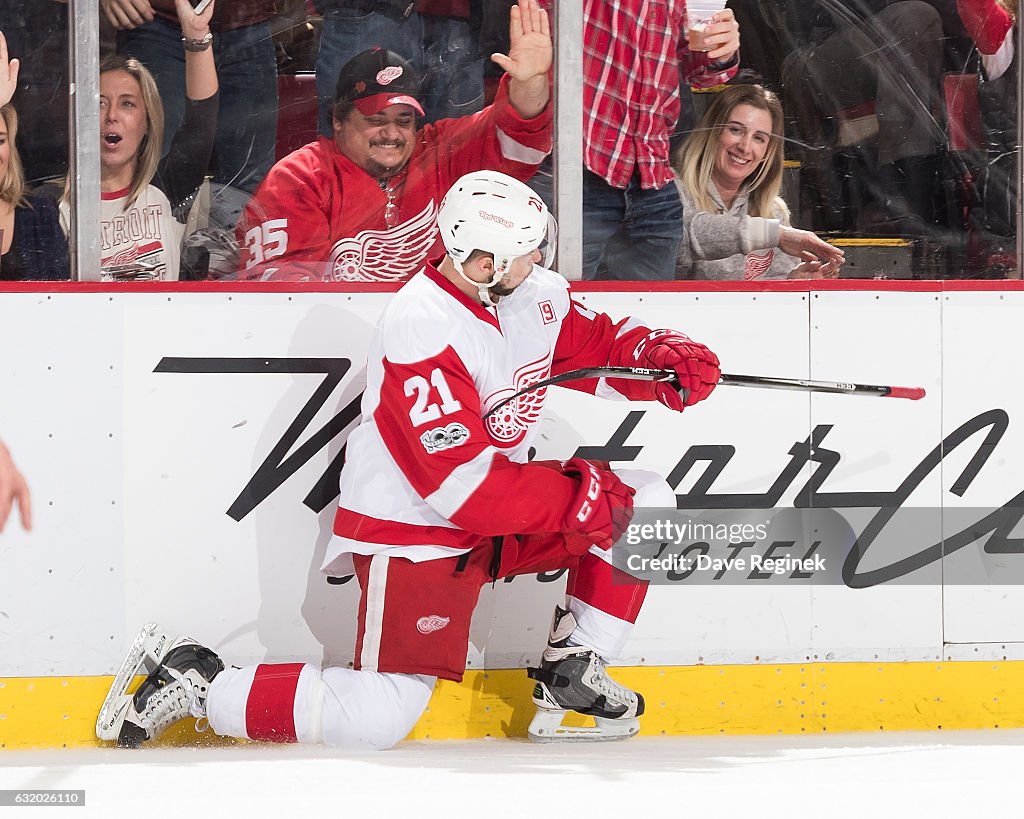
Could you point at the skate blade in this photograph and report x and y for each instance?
(143, 654)
(546, 726)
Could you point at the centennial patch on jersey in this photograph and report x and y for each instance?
(431, 623)
(441, 438)
(388, 255)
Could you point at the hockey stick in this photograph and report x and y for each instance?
(641, 374)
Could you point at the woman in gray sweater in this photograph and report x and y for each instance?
(729, 174)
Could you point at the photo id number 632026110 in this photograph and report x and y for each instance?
(12, 798)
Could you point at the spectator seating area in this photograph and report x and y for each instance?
(297, 111)
(830, 186)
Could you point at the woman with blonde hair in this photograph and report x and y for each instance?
(729, 174)
(32, 245)
(145, 197)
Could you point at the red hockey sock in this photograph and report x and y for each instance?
(270, 708)
(600, 585)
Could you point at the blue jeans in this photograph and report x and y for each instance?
(247, 72)
(443, 50)
(628, 235)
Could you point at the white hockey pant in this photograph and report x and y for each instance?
(357, 710)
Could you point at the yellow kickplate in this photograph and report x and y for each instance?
(55, 712)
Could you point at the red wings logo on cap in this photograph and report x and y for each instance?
(388, 75)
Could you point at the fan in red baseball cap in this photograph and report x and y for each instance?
(377, 78)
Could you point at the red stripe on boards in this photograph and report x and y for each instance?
(270, 708)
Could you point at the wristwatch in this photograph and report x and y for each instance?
(197, 45)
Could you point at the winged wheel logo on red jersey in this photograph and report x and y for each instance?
(508, 425)
(432, 623)
(388, 255)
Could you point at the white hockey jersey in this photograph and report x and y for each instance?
(425, 477)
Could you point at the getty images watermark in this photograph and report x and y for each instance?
(675, 546)
(696, 558)
(856, 547)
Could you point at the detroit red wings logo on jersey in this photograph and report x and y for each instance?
(758, 264)
(432, 623)
(385, 255)
(145, 261)
(508, 426)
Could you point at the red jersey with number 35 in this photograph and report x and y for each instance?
(425, 476)
(320, 217)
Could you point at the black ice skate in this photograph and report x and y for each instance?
(180, 672)
(573, 678)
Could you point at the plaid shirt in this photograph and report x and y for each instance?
(633, 51)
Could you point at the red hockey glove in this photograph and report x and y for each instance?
(695, 366)
(603, 505)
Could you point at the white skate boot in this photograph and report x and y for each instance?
(180, 672)
(573, 678)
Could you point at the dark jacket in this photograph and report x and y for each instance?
(39, 251)
(814, 20)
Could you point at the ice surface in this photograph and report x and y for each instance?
(938, 774)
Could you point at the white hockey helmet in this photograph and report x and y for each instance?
(496, 214)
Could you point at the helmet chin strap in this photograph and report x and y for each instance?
(483, 289)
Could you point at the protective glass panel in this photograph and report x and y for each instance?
(360, 205)
(900, 129)
(885, 127)
(33, 140)
(896, 142)
(188, 98)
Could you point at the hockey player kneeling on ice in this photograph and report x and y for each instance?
(437, 501)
